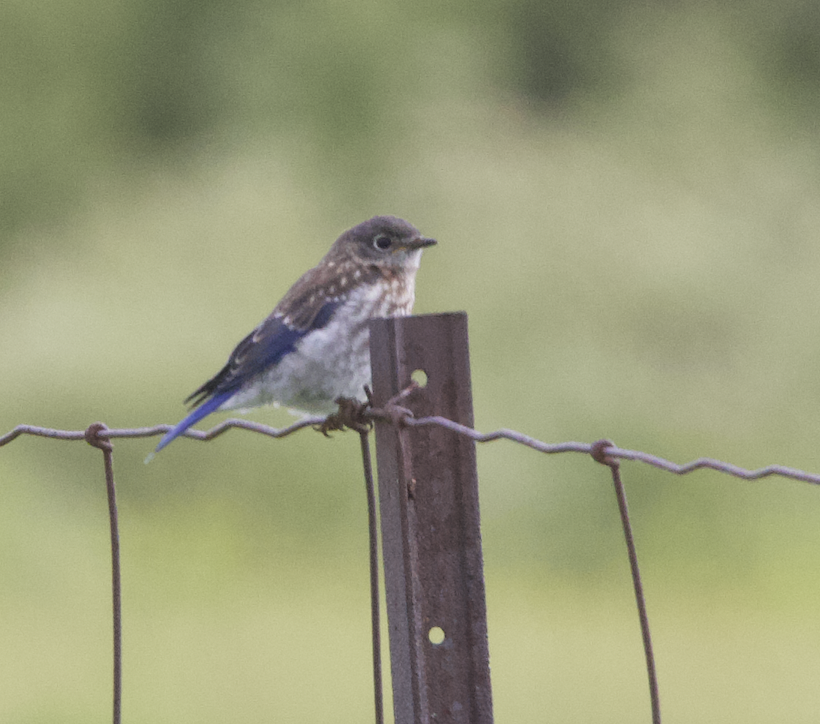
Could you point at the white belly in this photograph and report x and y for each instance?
(326, 364)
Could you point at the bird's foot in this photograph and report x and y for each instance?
(349, 416)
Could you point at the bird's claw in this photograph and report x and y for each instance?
(349, 416)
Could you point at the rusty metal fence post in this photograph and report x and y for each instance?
(428, 492)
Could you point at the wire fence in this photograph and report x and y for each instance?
(602, 451)
(612, 450)
(420, 536)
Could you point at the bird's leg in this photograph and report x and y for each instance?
(349, 416)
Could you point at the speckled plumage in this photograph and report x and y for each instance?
(314, 346)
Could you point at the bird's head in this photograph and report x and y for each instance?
(384, 241)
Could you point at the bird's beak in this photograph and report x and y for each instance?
(420, 242)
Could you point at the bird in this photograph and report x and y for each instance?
(314, 347)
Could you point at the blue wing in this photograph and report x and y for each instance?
(259, 351)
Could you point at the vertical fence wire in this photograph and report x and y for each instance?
(599, 454)
(93, 439)
(603, 451)
(373, 538)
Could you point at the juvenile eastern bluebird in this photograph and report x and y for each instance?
(314, 347)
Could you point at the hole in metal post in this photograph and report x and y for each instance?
(419, 377)
(436, 635)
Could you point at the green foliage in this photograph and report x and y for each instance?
(91, 86)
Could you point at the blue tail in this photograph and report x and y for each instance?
(196, 415)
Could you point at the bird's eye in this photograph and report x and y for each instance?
(382, 242)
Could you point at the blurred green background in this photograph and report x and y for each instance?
(627, 198)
